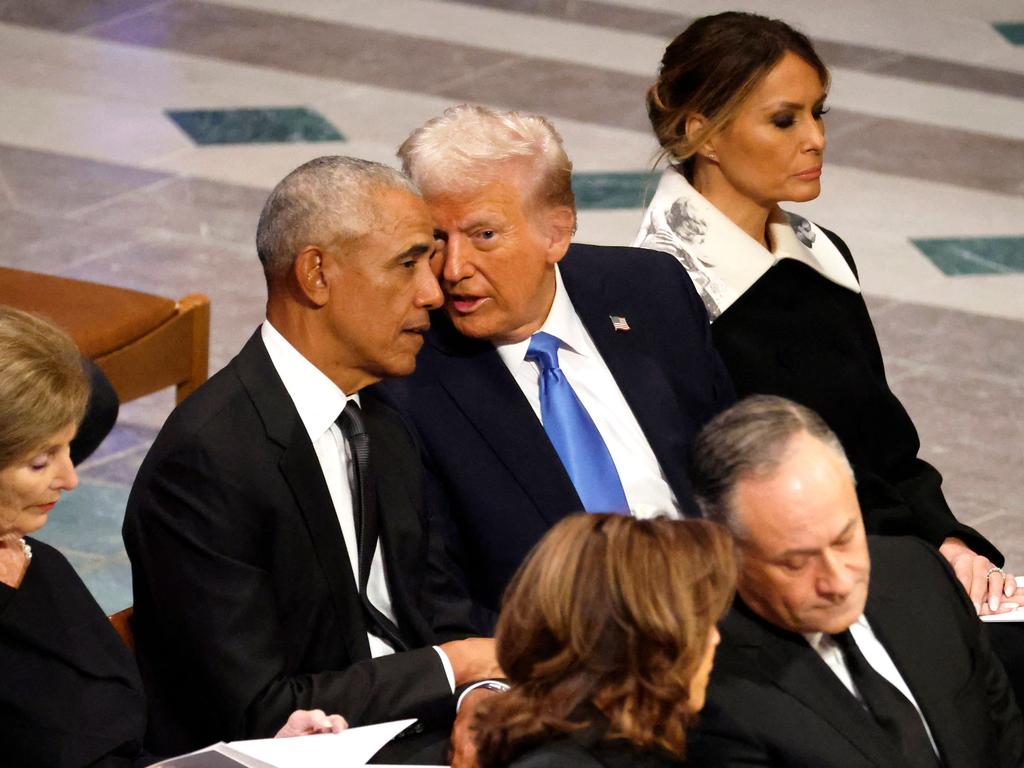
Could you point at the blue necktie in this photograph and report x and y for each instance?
(573, 434)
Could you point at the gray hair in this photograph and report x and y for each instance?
(323, 202)
(749, 439)
(459, 150)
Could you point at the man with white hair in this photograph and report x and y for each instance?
(842, 650)
(559, 376)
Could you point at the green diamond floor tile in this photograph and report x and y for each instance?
(254, 126)
(974, 255)
(1012, 31)
(601, 191)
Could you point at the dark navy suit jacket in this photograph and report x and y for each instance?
(496, 483)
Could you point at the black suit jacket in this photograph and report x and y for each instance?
(245, 603)
(582, 750)
(495, 478)
(70, 693)
(773, 701)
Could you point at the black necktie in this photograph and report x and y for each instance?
(350, 422)
(893, 711)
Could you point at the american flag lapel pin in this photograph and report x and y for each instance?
(619, 323)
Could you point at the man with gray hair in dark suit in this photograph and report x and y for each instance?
(282, 555)
(842, 650)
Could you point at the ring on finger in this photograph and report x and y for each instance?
(993, 570)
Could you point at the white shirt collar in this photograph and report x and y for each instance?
(317, 399)
(562, 322)
(722, 259)
(821, 642)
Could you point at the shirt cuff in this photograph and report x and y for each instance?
(448, 671)
(493, 685)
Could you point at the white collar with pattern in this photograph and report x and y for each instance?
(722, 260)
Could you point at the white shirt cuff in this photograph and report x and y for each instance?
(448, 671)
(494, 685)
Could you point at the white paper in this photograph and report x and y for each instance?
(1014, 615)
(351, 748)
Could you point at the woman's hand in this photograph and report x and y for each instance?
(303, 722)
(990, 588)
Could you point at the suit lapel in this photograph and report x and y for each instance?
(791, 664)
(301, 470)
(918, 661)
(484, 390)
(639, 376)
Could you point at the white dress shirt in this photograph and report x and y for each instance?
(874, 653)
(319, 402)
(647, 492)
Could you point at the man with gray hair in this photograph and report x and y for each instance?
(559, 376)
(842, 650)
(280, 548)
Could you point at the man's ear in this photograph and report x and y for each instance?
(560, 223)
(308, 272)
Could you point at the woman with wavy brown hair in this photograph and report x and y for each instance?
(607, 635)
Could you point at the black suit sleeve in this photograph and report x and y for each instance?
(449, 555)
(206, 543)
(917, 481)
(444, 595)
(1002, 706)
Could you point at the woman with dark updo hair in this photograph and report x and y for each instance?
(738, 109)
(607, 635)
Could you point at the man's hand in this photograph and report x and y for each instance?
(472, 659)
(463, 750)
(990, 590)
(303, 722)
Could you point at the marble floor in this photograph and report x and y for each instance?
(139, 138)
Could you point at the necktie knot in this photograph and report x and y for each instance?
(350, 420)
(544, 349)
(845, 642)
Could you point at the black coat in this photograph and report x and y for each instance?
(773, 701)
(245, 603)
(70, 694)
(796, 334)
(583, 751)
(495, 478)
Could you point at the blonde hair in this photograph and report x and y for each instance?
(43, 387)
(469, 146)
(605, 625)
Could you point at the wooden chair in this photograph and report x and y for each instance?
(140, 341)
(122, 623)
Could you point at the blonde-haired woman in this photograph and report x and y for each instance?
(607, 635)
(738, 109)
(70, 694)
